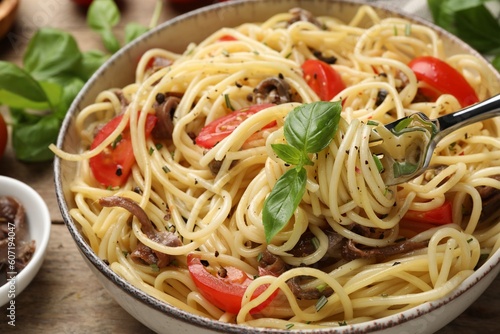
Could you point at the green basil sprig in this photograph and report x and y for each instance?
(104, 15)
(308, 129)
(472, 21)
(54, 71)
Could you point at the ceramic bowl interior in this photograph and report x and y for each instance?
(175, 35)
(39, 223)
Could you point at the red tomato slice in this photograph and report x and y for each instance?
(112, 166)
(224, 292)
(443, 78)
(217, 130)
(322, 78)
(227, 38)
(439, 216)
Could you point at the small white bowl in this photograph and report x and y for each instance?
(38, 222)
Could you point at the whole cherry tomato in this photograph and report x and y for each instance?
(3, 135)
(443, 79)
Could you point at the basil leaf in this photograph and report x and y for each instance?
(31, 140)
(311, 127)
(53, 91)
(283, 200)
(24, 91)
(70, 87)
(470, 20)
(51, 52)
(110, 41)
(91, 61)
(288, 154)
(134, 30)
(19, 102)
(103, 15)
(496, 62)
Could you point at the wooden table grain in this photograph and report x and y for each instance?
(65, 297)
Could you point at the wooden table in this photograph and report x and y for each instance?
(65, 297)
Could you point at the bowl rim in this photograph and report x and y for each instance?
(33, 204)
(205, 323)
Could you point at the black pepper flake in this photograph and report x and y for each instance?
(216, 253)
(119, 171)
(205, 263)
(160, 98)
(222, 272)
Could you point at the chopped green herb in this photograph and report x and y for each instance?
(343, 323)
(404, 168)
(408, 29)
(151, 150)
(154, 267)
(289, 326)
(116, 141)
(403, 124)
(315, 242)
(228, 102)
(158, 146)
(259, 257)
(380, 167)
(166, 169)
(321, 303)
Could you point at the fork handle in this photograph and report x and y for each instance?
(475, 113)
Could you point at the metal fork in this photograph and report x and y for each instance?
(405, 147)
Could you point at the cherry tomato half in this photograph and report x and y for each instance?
(443, 78)
(322, 78)
(217, 130)
(3, 135)
(112, 166)
(224, 292)
(227, 38)
(439, 216)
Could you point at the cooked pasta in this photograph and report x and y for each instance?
(348, 254)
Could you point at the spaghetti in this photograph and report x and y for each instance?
(348, 253)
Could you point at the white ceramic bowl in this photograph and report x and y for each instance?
(164, 318)
(39, 223)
